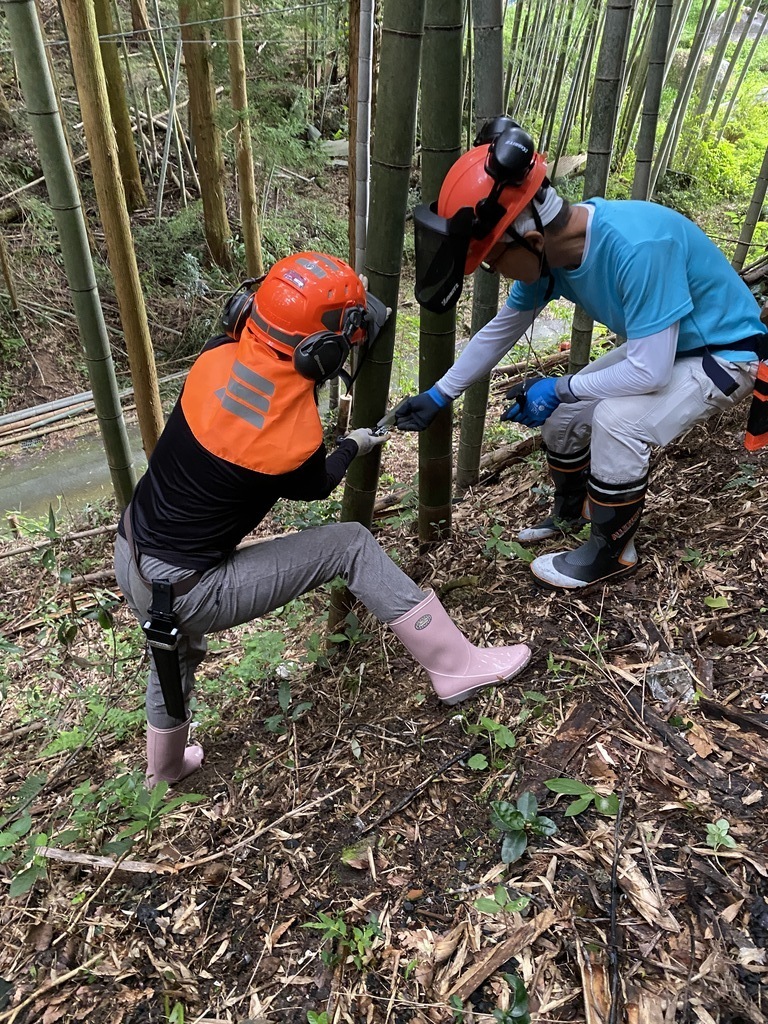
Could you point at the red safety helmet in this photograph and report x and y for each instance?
(481, 196)
(310, 306)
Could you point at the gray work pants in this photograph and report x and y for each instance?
(257, 579)
(623, 429)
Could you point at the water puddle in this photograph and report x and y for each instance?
(62, 473)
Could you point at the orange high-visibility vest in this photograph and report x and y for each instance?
(245, 403)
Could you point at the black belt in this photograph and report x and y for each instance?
(160, 628)
(757, 343)
(180, 587)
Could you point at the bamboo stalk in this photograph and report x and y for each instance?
(167, 145)
(39, 95)
(249, 219)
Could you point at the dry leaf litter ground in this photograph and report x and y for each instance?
(366, 808)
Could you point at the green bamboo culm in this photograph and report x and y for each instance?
(753, 216)
(649, 119)
(668, 146)
(441, 105)
(606, 92)
(489, 89)
(40, 99)
(135, 197)
(392, 156)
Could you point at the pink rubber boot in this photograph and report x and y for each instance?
(169, 759)
(456, 667)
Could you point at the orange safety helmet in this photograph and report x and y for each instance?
(310, 306)
(481, 196)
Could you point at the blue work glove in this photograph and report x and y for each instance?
(535, 404)
(418, 412)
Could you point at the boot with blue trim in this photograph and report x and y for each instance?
(609, 554)
(569, 475)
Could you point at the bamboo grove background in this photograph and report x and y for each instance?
(216, 108)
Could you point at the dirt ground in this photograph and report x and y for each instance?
(367, 810)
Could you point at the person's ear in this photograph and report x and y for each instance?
(536, 241)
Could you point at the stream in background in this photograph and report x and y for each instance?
(54, 471)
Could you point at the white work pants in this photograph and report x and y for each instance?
(622, 430)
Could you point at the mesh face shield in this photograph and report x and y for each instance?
(441, 255)
(376, 316)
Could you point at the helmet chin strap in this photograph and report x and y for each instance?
(544, 267)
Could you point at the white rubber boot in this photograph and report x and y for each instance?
(457, 668)
(169, 759)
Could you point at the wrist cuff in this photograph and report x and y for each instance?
(438, 397)
(563, 390)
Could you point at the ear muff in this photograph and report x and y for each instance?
(321, 356)
(238, 307)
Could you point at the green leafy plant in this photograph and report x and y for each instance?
(17, 842)
(745, 478)
(693, 557)
(501, 902)
(518, 1010)
(457, 1008)
(280, 722)
(345, 942)
(518, 822)
(173, 1014)
(718, 835)
(316, 652)
(718, 602)
(410, 967)
(351, 632)
(263, 653)
(607, 804)
(534, 704)
(317, 1017)
(495, 545)
(147, 811)
(499, 737)
(124, 800)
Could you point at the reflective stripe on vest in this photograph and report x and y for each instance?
(245, 403)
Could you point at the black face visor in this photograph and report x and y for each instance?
(441, 255)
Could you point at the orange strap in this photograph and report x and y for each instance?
(246, 404)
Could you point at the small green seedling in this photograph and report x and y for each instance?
(518, 821)
(345, 942)
(279, 723)
(718, 835)
(315, 1017)
(457, 1008)
(607, 804)
(518, 1009)
(499, 737)
(495, 545)
(501, 902)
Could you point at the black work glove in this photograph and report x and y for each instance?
(418, 412)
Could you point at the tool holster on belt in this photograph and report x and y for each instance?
(163, 638)
(160, 629)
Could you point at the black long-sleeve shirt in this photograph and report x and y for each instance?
(192, 508)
